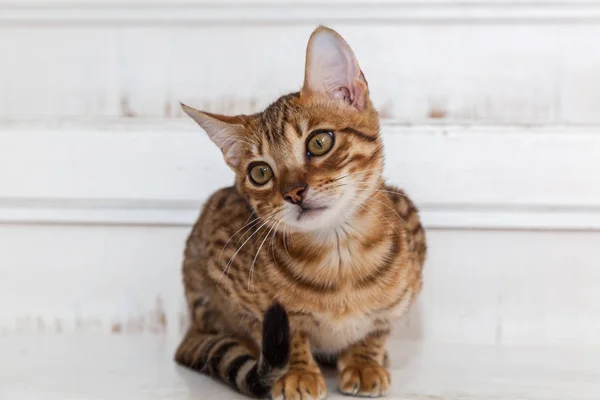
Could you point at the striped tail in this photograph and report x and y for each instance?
(233, 360)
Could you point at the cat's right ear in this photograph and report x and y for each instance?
(332, 69)
(226, 132)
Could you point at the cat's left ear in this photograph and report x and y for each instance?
(332, 69)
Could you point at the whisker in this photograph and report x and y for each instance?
(367, 210)
(243, 244)
(319, 192)
(252, 224)
(231, 237)
(375, 190)
(377, 211)
(275, 234)
(391, 208)
(226, 268)
(357, 173)
(257, 252)
(365, 179)
(286, 231)
(388, 191)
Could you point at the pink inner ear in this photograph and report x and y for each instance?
(342, 93)
(332, 69)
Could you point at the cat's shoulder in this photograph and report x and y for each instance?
(224, 201)
(225, 209)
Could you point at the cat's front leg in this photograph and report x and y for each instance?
(304, 380)
(363, 369)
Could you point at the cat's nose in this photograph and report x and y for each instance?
(295, 193)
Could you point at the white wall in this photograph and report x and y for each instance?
(516, 62)
(480, 286)
(159, 173)
(492, 115)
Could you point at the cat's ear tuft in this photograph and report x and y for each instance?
(226, 132)
(332, 69)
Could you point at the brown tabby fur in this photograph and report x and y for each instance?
(341, 287)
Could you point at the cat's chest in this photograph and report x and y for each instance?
(330, 335)
(333, 332)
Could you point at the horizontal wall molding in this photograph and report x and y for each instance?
(152, 213)
(283, 12)
(469, 177)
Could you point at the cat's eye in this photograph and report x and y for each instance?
(319, 143)
(260, 173)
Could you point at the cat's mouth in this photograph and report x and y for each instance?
(307, 213)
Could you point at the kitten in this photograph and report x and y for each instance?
(310, 254)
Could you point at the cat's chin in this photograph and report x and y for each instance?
(308, 214)
(314, 219)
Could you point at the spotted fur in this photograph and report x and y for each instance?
(271, 284)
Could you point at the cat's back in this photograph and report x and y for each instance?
(224, 213)
(411, 221)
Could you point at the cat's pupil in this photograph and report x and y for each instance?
(319, 143)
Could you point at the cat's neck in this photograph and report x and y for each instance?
(345, 253)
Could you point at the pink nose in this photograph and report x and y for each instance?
(295, 195)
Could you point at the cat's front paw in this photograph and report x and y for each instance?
(366, 380)
(299, 384)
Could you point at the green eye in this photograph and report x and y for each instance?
(260, 173)
(319, 143)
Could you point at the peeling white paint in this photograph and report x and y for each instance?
(488, 287)
(484, 61)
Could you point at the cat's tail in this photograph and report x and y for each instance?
(234, 361)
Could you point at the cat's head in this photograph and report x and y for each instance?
(309, 160)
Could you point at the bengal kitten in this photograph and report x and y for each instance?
(309, 254)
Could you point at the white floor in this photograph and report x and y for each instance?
(94, 367)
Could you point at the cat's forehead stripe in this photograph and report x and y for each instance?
(359, 134)
(274, 119)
